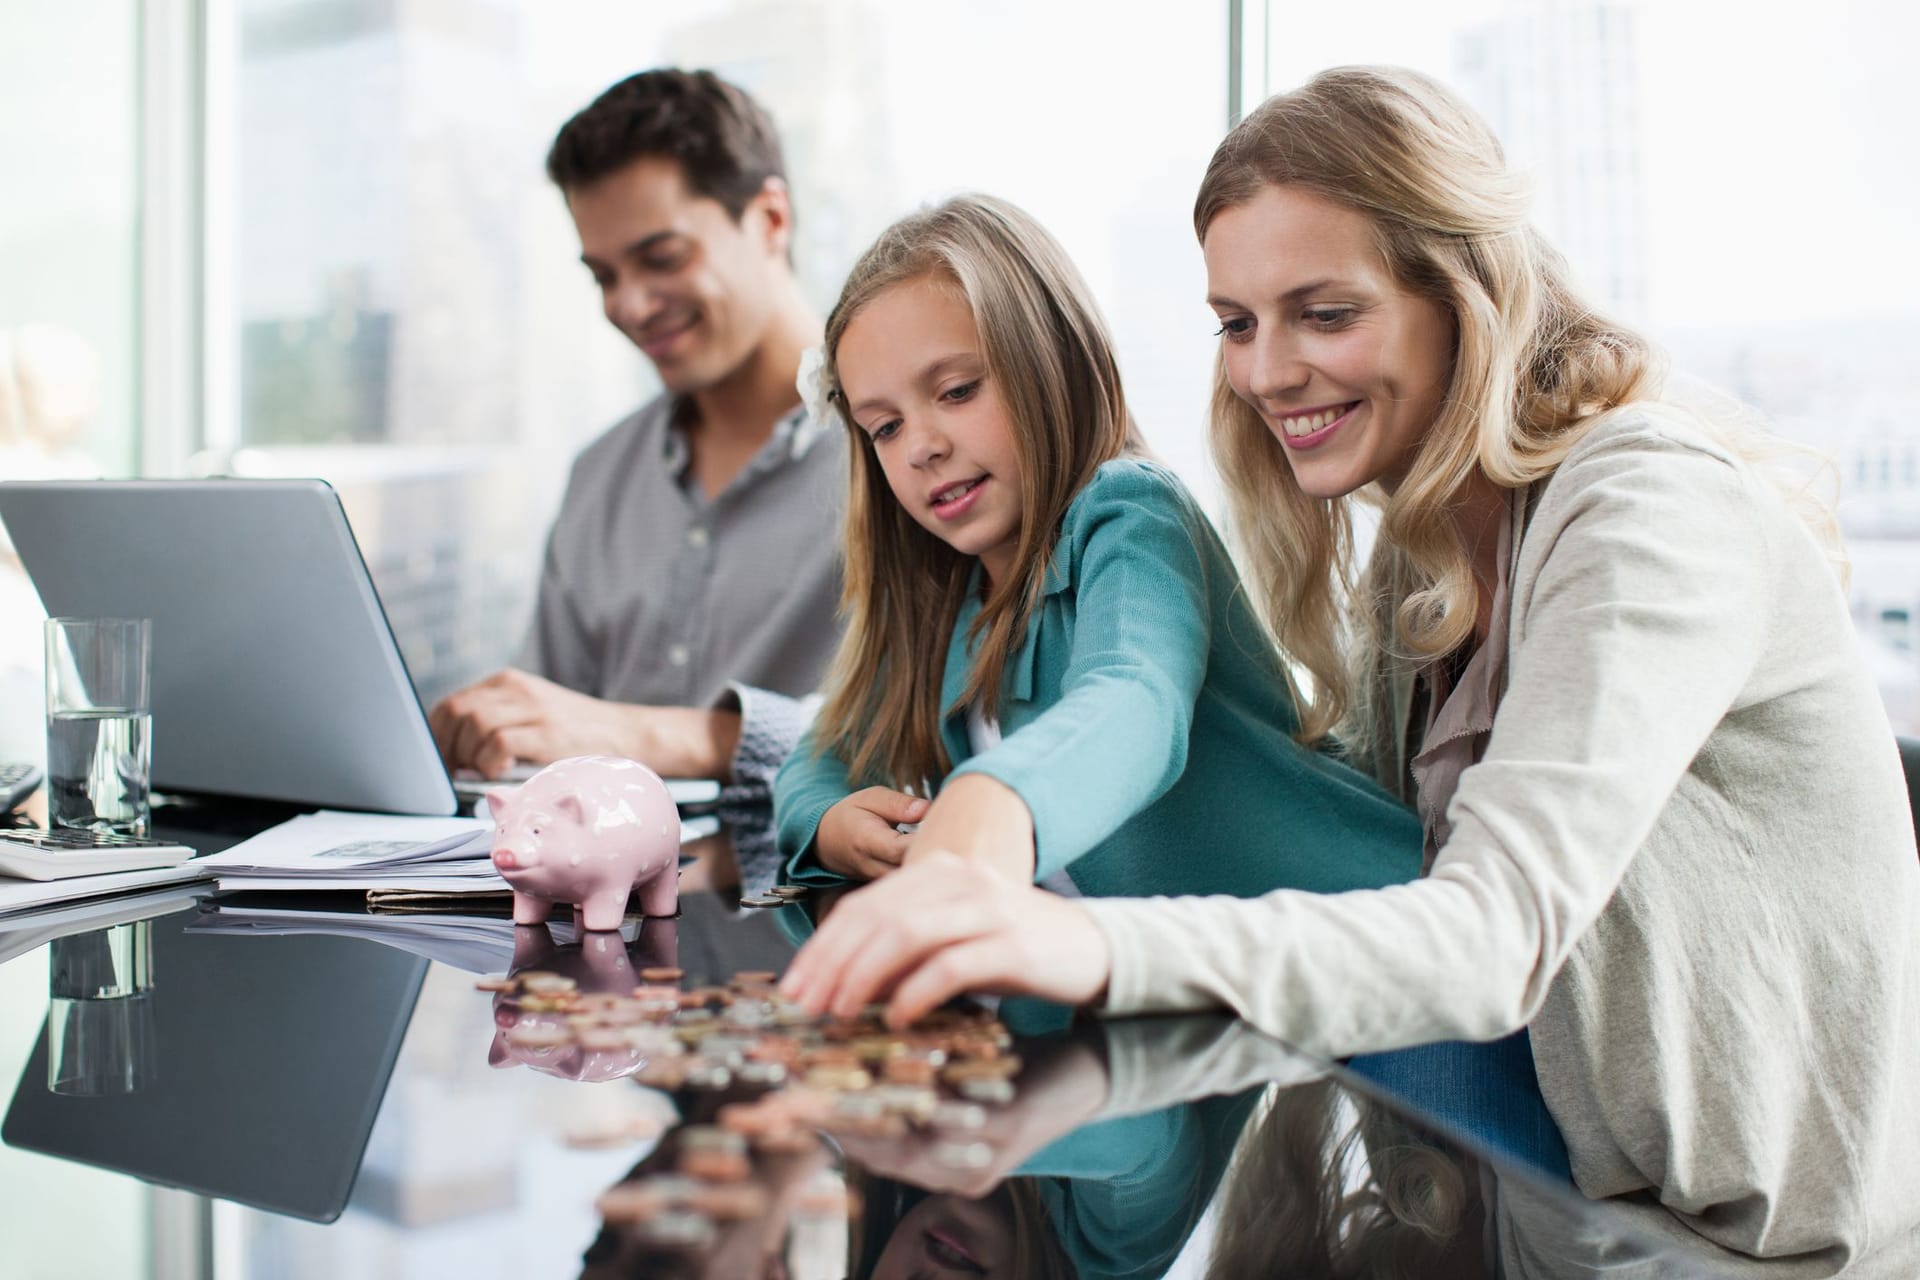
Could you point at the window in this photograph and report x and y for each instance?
(1735, 180)
(409, 317)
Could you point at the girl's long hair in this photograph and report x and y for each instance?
(1534, 366)
(1049, 356)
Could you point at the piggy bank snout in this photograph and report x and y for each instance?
(517, 855)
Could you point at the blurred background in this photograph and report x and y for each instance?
(313, 237)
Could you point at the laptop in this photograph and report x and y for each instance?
(274, 673)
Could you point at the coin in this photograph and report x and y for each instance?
(662, 973)
(763, 900)
(498, 982)
(791, 892)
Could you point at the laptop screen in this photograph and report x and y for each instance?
(255, 1074)
(274, 672)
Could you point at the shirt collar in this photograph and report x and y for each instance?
(794, 434)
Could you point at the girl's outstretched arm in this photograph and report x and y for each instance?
(943, 926)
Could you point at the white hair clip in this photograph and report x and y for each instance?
(816, 392)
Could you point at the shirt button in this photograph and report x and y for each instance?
(678, 655)
(697, 537)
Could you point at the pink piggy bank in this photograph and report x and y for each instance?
(588, 830)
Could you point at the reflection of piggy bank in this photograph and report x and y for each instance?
(599, 963)
(589, 830)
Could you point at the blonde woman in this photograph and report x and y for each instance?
(1041, 626)
(1602, 652)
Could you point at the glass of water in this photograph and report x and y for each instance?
(99, 756)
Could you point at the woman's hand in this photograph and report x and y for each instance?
(939, 927)
(860, 836)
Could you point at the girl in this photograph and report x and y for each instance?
(1606, 656)
(1041, 624)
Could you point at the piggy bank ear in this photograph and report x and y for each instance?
(499, 800)
(570, 808)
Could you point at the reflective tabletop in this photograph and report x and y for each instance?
(251, 1085)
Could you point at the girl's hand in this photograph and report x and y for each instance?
(941, 927)
(860, 836)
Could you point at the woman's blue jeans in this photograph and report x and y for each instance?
(1489, 1090)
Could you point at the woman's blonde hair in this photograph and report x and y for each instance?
(1532, 365)
(1049, 357)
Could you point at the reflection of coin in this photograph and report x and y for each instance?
(630, 1202)
(738, 1202)
(546, 983)
(539, 1035)
(959, 1115)
(962, 1155)
(999, 1092)
(679, 1227)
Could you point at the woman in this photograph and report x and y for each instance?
(1602, 651)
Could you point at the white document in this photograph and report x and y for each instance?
(330, 845)
(25, 895)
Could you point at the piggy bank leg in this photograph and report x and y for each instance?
(528, 909)
(603, 910)
(660, 896)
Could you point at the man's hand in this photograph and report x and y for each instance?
(859, 837)
(943, 926)
(514, 716)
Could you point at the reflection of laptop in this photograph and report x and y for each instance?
(267, 1061)
(274, 673)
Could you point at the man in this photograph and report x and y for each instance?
(692, 574)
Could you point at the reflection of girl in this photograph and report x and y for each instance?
(1668, 825)
(1295, 1207)
(903, 1231)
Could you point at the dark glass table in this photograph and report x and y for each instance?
(252, 1085)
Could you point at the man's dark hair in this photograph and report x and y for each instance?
(724, 140)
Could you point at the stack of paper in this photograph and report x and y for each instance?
(331, 850)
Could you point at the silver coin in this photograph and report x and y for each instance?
(763, 900)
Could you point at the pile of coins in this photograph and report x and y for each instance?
(803, 1075)
(778, 896)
